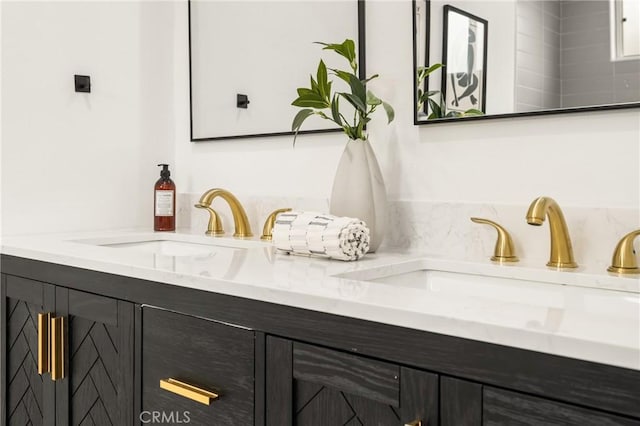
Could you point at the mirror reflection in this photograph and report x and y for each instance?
(247, 57)
(485, 59)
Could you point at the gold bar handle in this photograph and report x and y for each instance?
(188, 391)
(43, 343)
(414, 423)
(57, 348)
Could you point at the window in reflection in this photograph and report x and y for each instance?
(626, 24)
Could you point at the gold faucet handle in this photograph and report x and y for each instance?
(215, 225)
(624, 257)
(267, 229)
(504, 250)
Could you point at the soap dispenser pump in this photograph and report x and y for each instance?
(164, 204)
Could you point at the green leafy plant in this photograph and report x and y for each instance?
(434, 98)
(320, 100)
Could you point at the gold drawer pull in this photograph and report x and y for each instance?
(188, 391)
(414, 423)
(57, 348)
(43, 343)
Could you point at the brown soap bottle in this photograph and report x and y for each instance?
(164, 202)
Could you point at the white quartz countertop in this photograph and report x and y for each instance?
(523, 305)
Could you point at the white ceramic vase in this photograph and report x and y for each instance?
(359, 190)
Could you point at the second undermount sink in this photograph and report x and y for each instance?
(430, 278)
(450, 275)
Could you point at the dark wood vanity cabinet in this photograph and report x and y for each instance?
(314, 386)
(270, 364)
(96, 377)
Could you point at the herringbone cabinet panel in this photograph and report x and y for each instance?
(24, 390)
(94, 373)
(98, 382)
(98, 390)
(309, 385)
(317, 405)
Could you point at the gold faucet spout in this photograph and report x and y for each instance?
(242, 227)
(561, 250)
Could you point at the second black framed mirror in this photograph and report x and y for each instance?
(537, 57)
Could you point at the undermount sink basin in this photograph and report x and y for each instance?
(429, 278)
(168, 248)
(174, 245)
(447, 281)
(453, 276)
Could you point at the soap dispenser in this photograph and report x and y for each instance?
(164, 204)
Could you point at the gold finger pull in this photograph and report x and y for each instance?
(43, 343)
(414, 423)
(188, 391)
(504, 250)
(57, 348)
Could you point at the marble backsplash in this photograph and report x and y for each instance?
(443, 229)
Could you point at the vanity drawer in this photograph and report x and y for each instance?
(501, 407)
(204, 354)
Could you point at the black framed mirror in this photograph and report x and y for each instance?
(246, 59)
(478, 60)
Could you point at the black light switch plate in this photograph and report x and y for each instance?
(83, 83)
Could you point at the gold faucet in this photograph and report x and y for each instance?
(270, 222)
(242, 227)
(504, 250)
(215, 226)
(624, 257)
(561, 250)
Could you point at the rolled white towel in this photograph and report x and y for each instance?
(326, 235)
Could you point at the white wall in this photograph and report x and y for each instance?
(587, 159)
(73, 161)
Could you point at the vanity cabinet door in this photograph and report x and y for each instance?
(27, 397)
(460, 402)
(196, 371)
(313, 386)
(97, 388)
(501, 407)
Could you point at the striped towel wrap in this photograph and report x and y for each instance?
(310, 233)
